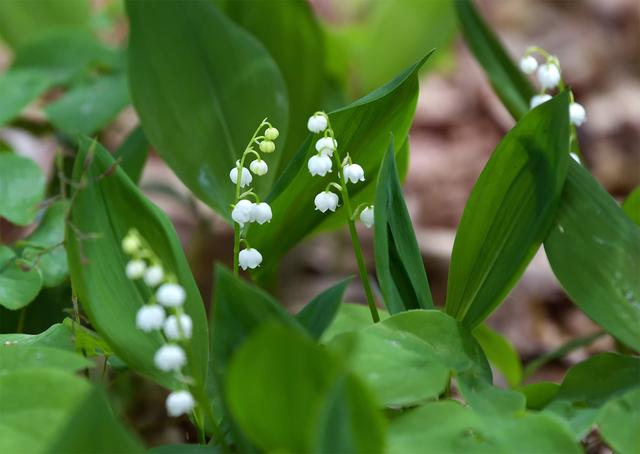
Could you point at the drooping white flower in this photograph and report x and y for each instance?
(271, 133)
(173, 331)
(150, 317)
(319, 164)
(130, 244)
(246, 178)
(539, 99)
(242, 213)
(353, 173)
(261, 212)
(528, 64)
(549, 75)
(326, 200)
(326, 146)
(135, 269)
(249, 258)
(259, 167)
(153, 276)
(317, 123)
(577, 114)
(180, 403)
(170, 357)
(366, 216)
(267, 146)
(171, 295)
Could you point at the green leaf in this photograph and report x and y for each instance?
(509, 211)
(594, 251)
(57, 336)
(97, 263)
(399, 265)
(184, 449)
(509, 83)
(21, 188)
(318, 314)
(199, 104)
(133, 154)
(290, 32)
(540, 394)
(362, 130)
(619, 421)
(485, 398)
(409, 357)
(46, 245)
(500, 353)
(18, 286)
(86, 341)
(315, 397)
(631, 205)
(88, 108)
(350, 317)
(19, 88)
(18, 356)
(447, 427)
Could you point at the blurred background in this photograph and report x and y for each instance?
(458, 123)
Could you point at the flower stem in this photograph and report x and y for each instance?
(236, 248)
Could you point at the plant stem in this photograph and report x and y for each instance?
(21, 318)
(236, 247)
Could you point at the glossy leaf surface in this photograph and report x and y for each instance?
(21, 188)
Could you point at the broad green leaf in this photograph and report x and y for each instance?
(509, 83)
(19, 285)
(22, 21)
(294, 39)
(350, 317)
(362, 130)
(449, 427)
(48, 308)
(89, 107)
(132, 154)
(540, 394)
(319, 406)
(21, 188)
(318, 314)
(509, 211)
(19, 356)
(594, 251)
(500, 353)
(56, 336)
(44, 247)
(97, 263)
(619, 422)
(19, 88)
(485, 398)
(200, 104)
(184, 449)
(86, 341)
(631, 205)
(409, 357)
(400, 269)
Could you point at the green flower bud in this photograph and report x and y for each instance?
(271, 133)
(267, 146)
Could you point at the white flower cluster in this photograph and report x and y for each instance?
(549, 76)
(245, 211)
(321, 164)
(162, 313)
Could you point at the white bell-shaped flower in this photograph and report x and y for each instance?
(249, 258)
(246, 178)
(528, 64)
(367, 216)
(549, 75)
(242, 213)
(577, 114)
(153, 276)
(180, 403)
(173, 331)
(319, 164)
(261, 213)
(135, 269)
(326, 200)
(171, 295)
(353, 173)
(317, 123)
(539, 99)
(170, 357)
(259, 167)
(150, 317)
(326, 146)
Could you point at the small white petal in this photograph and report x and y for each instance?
(170, 357)
(319, 165)
(577, 114)
(548, 75)
(353, 173)
(539, 99)
(367, 216)
(172, 331)
(150, 317)
(528, 64)
(259, 167)
(326, 200)
(261, 212)
(249, 258)
(317, 123)
(246, 178)
(153, 276)
(326, 145)
(242, 213)
(135, 269)
(180, 403)
(575, 157)
(171, 295)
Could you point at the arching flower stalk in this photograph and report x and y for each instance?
(321, 164)
(243, 210)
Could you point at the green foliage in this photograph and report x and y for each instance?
(56, 336)
(401, 274)
(500, 353)
(19, 283)
(350, 317)
(21, 188)
(19, 356)
(19, 88)
(619, 421)
(318, 314)
(132, 154)
(631, 205)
